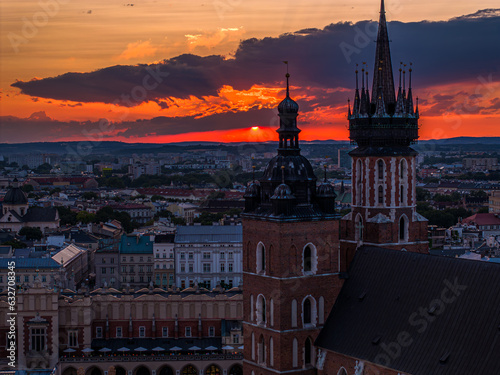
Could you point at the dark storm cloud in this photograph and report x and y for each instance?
(458, 50)
(39, 126)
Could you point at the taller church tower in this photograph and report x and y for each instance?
(383, 164)
(291, 258)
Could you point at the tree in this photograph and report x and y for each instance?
(85, 217)
(156, 197)
(66, 216)
(27, 188)
(422, 195)
(16, 244)
(44, 168)
(31, 233)
(90, 195)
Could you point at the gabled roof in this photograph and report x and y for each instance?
(482, 219)
(34, 263)
(40, 214)
(390, 293)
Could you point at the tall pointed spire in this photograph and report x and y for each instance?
(367, 92)
(363, 107)
(355, 107)
(400, 103)
(380, 108)
(409, 99)
(383, 61)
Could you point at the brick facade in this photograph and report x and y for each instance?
(282, 281)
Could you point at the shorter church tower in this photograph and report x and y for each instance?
(291, 258)
(383, 164)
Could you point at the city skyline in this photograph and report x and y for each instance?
(210, 79)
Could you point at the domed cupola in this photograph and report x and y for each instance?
(252, 195)
(325, 196)
(15, 195)
(283, 199)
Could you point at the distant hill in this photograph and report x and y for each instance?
(122, 148)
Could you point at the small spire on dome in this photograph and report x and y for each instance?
(282, 174)
(325, 166)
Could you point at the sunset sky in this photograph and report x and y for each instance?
(211, 70)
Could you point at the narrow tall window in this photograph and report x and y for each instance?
(307, 311)
(380, 194)
(380, 165)
(307, 259)
(308, 352)
(402, 229)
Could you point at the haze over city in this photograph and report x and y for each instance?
(219, 71)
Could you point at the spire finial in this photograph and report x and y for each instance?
(253, 173)
(324, 166)
(400, 70)
(356, 76)
(382, 7)
(282, 174)
(287, 75)
(348, 108)
(363, 77)
(409, 82)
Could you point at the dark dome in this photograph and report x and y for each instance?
(297, 168)
(325, 190)
(252, 190)
(283, 191)
(15, 196)
(288, 105)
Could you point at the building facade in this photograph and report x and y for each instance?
(164, 261)
(208, 255)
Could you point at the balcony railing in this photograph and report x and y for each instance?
(153, 358)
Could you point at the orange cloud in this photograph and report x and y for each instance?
(204, 42)
(138, 50)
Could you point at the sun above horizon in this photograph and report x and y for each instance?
(255, 128)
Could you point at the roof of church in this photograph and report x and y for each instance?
(40, 214)
(15, 195)
(444, 311)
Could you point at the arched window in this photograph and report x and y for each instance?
(359, 228)
(402, 194)
(307, 259)
(380, 169)
(261, 258)
(294, 313)
(295, 353)
(402, 169)
(189, 370)
(261, 310)
(380, 194)
(307, 311)
(342, 371)
(261, 350)
(359, 185)
(308, 352)
(402, 229)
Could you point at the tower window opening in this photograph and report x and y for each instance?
(402, 194)
(307, 311)
(307, 259)
(402, 229)
(380, 165)
(380, 194)
(308, 352)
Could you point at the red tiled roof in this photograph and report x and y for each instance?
(482, 219)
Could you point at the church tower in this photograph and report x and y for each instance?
(291, 258)
(383, 164)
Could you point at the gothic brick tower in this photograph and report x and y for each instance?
(291, 258)
(383, 164)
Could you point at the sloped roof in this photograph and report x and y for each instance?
(482, 219)
(388, 292)
(34, 263)
(40, 214)
(209, 233)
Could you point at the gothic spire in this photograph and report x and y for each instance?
(363, 105)
(288, 132)
(409, 99)
(400, 103)
(356, 107)
(383, 62)
(380, 108)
